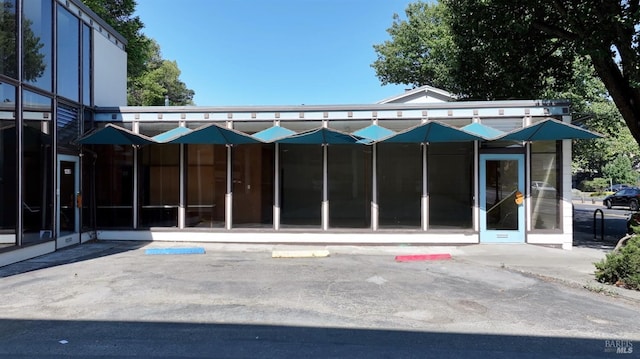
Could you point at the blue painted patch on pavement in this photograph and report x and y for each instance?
(190, 250)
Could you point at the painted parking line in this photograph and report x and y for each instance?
(423, 257)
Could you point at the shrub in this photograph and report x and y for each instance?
(621, 267)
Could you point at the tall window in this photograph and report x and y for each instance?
(159, 185)
(86, 65)
(399, 185)
(301, 185)
(36, 40)
(349, 186)
(545, 185)
(450, 184)
(253, 185)
(8, 166)
(207, 185)
(8, 34)
(68, 52)
(38, 167)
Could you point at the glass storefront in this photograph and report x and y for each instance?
(159, 185)
(450, 184)
(545, 185)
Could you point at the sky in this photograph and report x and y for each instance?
(274, 52)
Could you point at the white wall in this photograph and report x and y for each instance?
(110, 72)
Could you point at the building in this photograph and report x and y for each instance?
(78, 165)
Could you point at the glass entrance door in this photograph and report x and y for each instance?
(501, 198)
(68, 216)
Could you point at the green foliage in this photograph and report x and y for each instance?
(620, 171)
(149, 77)
(420, 50)
(33, 64)
(622, 267)
(594, 185)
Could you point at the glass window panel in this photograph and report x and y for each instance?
(68, 52)
(398, 125)
(251, 127)
(253, 185)
(502, 186)
(8, 34)
(450, 185)
(207, 185)
(399, 185)
(112, 171)
(545, 185)
(37, 43)
(301, 185)
(8, 165)
(151, 129)
(38, 168)
(349, 126)
(159, 185)
(86, 65)
(300, 126)
(349, 186)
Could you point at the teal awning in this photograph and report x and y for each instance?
(272, 134)
(373, 133)
(214, 135)
(171, 134)
(485, 131)
(432, 131)
(549, 130)
(320, 136)
(114, 135)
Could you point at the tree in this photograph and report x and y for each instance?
(421, 50)
(519, 39)
(149, 76)
(620, 171)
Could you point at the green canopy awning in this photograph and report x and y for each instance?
(432, 131)
(549, 130)
(272, 134)
(373, 133)
(214, 135)
(171, 134)
(114, 135)
(484, 131)
(320, 136)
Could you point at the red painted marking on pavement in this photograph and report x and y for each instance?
(423, 257)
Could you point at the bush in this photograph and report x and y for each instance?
(621, 267)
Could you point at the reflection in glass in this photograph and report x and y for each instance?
(399, 185)
(349, 186)
(8, 165)
(37, 48)
(38, 169)
(206, 187)
(545, 182)
(253, 185)
(8, 41)
(159, 191)
(301, 185)
(450, 184)
(502, 185)
(68, 50)
(113, 185)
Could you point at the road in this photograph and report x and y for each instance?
(114, 300)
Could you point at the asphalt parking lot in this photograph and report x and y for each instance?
(113, 299)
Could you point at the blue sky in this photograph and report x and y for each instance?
(274, 52)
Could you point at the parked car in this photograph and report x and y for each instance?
(616, 187)
(627, 197)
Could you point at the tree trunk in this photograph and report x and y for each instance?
(626, 98)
